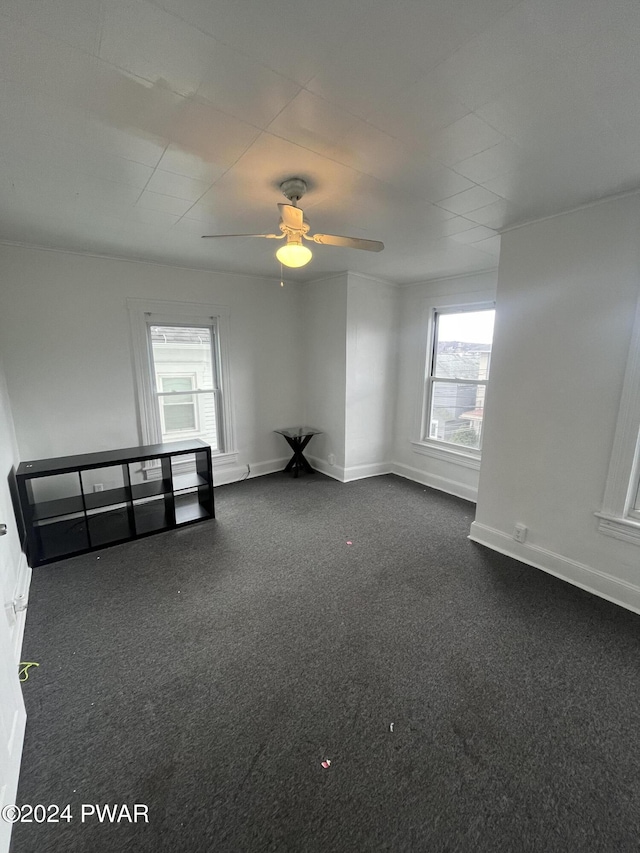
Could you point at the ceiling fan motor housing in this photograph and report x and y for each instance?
(293, 189)
(294, 232)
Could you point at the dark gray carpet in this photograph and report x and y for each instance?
(208, 672)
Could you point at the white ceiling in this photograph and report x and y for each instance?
(131, 127)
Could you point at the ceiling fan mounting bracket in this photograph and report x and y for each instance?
(293, 189)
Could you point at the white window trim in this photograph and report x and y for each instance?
(615, 516)
(467, 457)
(167, 312)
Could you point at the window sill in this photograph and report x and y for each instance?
(448, 454)
(620, 528)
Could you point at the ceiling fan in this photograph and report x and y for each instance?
(295, 228)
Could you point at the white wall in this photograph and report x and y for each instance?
(371, 372)
(566, 299)
(350, 341)
(15, 576)
(416, 304)
(14, 573)
(323, 352)
(64, 336)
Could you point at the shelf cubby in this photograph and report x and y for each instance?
(107, 528)
(57, 538)
(186, 482)
(57, 507)
(151, 489)
(151, 515)
(111, 497)
(190, 506)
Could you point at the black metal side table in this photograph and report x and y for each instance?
(297, 439)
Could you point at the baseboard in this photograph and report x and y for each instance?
(271, 466)
(336, 472)
(21, 600)
(360, 472)
(225, 474)
(592, 580)
(434, 481)
(353, 472)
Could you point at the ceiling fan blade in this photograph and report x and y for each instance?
(268, 236)
(291, 216)
(348, 242)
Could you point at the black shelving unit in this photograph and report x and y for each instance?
(75, 504)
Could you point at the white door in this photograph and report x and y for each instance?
(12, 713)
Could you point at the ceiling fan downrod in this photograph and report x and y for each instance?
(293, 189)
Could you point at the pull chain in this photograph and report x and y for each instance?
(281, 277)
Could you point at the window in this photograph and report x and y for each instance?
(182, 374)
(186, 383)
(457, 377)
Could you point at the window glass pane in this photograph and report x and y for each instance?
(463, 345)
(177, 399)
(179, 416)
(176, 383)
(183, 350)
(456, 413)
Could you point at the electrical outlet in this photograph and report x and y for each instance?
(332, 459)
(519, 532)
(98, 487)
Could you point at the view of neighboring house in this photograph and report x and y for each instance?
(457, 407)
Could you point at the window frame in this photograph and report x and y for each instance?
(634, 509)
(211, 324)
(142, 314)
(216, 389)
(617, 516)
(424, 444)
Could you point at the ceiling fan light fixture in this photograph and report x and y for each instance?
(294, 254)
